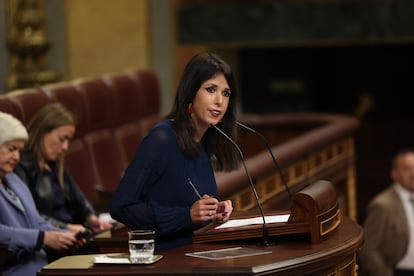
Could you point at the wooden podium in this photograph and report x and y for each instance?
(315, 211)
(334, 254)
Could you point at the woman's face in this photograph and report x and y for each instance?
(56, 142)
(210, 103)
(10, 155)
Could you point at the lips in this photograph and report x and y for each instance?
(215, 113)
(8, 167)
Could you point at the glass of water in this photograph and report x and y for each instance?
(141, 245)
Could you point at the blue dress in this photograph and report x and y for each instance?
(154, 192)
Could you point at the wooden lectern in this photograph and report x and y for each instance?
(315, 211)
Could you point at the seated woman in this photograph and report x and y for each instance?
(57, 196)
(156, 191)
(22, 229)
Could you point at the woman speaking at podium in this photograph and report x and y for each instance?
(169, 186)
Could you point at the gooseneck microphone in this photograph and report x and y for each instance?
(271, 154)
(266, 241)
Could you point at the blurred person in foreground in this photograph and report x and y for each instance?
(389, 225)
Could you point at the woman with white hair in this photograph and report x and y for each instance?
(22, 229)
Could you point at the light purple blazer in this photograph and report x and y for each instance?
(19, 229)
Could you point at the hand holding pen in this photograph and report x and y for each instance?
(209, 208)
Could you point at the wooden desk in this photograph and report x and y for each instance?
(333, 255)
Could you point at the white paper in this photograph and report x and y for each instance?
(110, 260)
(255, 220)
(123, 258)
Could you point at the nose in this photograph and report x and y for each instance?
(16, 155)
(219, 99)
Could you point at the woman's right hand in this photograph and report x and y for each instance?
(203, 209)
(75, 228)
(61, 240)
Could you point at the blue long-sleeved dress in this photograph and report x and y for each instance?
(154, 192)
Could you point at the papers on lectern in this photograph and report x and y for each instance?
(255, 220)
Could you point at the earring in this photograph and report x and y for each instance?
(190, 109)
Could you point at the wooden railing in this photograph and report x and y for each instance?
(307, 146)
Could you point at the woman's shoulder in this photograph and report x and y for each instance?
(14, 180)
(163, 131)
(166, 125)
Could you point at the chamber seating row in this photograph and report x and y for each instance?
(113, 114)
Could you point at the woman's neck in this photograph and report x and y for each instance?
(199, 133)
(44, 165)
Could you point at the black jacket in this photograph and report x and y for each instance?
(41, 188)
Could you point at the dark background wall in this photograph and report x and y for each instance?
(371, 81)
(257, 20)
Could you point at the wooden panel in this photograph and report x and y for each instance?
(106, 36)
(320, 151)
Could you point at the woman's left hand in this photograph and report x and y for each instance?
(224, 210)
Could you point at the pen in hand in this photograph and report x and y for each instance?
(194, 188)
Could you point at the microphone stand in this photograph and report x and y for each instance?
(266, 241)
(271, 154)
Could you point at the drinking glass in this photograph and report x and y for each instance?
(141, 245)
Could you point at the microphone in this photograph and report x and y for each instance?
(271, 153)
(266, 241)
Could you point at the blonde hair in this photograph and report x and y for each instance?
(44, 121)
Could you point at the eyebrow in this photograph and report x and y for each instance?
(66, 137)
(12, 147)
(211, 84)
(215, 85)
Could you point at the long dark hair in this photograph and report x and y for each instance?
(201, 68)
